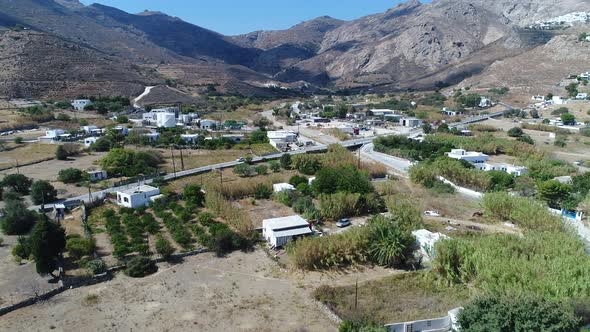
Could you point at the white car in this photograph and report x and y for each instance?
(431, 213)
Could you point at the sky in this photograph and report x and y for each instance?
(232, 17)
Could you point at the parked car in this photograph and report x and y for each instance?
(241, 160)
(431, 214)
(343, 223)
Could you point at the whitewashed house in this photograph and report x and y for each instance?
(209, 124)
(538, 98)
(80, 104)
(165, 120)
(136, 197)
(88, 141)
(190, 138)
(52, 135)
(510, 169)
(557, 100)
(581, 96)
(381, 112)
(411, 122)
(279, 231)
(469, 156)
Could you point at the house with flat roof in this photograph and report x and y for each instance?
(279, 231)
(281, 139)
(80, 104)
(469, 156)
(137, 196)
(411, 122)
(278, 187)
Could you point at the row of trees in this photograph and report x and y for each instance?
(15, 185)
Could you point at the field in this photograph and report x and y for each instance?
(26, 153)
(397, 298)
(243, 292)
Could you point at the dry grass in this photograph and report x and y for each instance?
(27, 153)
(449, 205)
(242, 187)
(404, 297)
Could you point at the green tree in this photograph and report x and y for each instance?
(554, 192)
(515, 132)
(164, 247)
(43, 192)
(500, 181)
(47, 240)
(427, 128)
(17, 219)
(194, 194)
(259, 136)
(70, 175)
(572, 89)
(517, 314)
(122, 119)
(102, 144)
(286, 161)
(60, 153)
(244, 170)
(568, 119)
(18, 183)
(18, 140)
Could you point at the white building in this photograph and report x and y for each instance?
(411, 122)
(538, 98)
(281, 139)
(582, 96)
(80, 104)
(279, 231)
(510, 169)
(278, 187)
(209, 124)
(90, 129)
(469, 156)
(88, 141)
(447, 323)
(136, 197)
(94, 176)
(175, 110)
(54, 133)
(189, 138)
(484, 102)
(426, 240)
(557, 100)
(381, 112)
(152, 136)
(188, 118)
(165, 120)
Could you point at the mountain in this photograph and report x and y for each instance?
(411, 46)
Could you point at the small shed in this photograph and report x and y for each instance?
(279, 231)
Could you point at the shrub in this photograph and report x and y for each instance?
(286, 161)
(509, 313)
(244, 170)
(79, 247)
(330, 251)
(339, 205)
(96, 266)
(263, 191)
(140, 266)
(295, 180)
(164, 248)
(526, 139)
(261, 169)
(274, 166)
(18, 140)
(342, 179)
(515, 132)
(194, 194)
(22, 249)
(70, 175)
(391, 243)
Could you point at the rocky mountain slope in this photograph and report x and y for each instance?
(413, 45)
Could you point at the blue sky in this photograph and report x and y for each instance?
(241, 16)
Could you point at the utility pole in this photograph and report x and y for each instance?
(173, 161)
(89, 192)
(356, 294)
(181, 160)
(17, 167)
(359, 158)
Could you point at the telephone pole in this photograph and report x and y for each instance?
(173, 161)
(181, 160)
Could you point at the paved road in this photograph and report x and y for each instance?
(400, 165)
